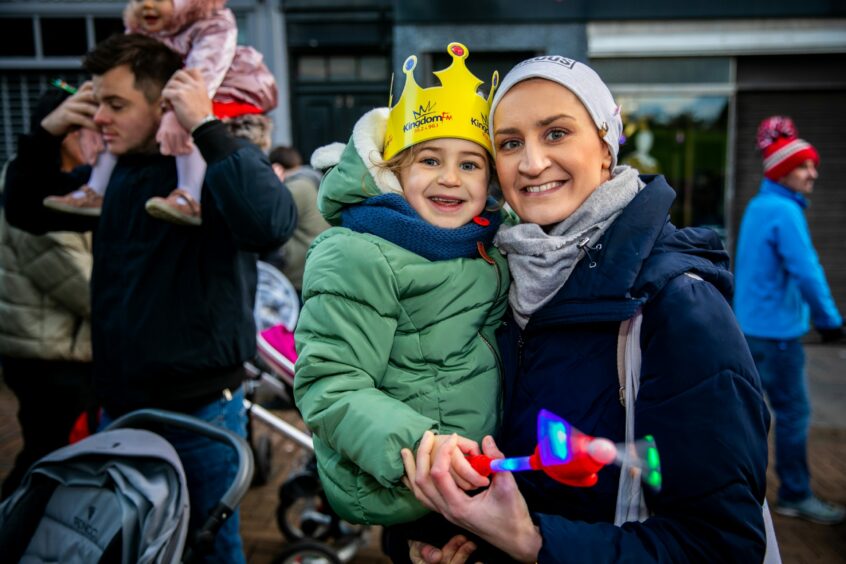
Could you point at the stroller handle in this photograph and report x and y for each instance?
(145, 418)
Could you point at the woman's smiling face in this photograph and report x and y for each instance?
(549, 156)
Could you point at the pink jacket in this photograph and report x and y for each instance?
(205, 34)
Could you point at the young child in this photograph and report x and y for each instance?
(401, 300)
(240, 85)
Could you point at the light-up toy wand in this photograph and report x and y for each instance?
(569, 456)
(62, 85)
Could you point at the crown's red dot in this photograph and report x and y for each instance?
(483, 221)
(457, 50)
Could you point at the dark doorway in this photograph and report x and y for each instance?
(330, 92)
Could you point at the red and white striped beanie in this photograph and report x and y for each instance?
(782, 149)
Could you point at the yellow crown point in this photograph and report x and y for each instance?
(453, 109)
(410, 84)
(457, 75)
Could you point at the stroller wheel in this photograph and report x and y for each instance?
(307, 552)
(303, 511)
(263, 456)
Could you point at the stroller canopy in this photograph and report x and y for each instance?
(117, 496)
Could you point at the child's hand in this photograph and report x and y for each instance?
(464, 475)
(172, 137)
(456, 551)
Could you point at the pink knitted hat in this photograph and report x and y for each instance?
(782, 149)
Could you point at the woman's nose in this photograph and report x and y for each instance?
(533, 161)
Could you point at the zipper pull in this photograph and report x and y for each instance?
(484, 253)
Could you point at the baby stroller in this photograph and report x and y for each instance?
(116, 496)
(304, 516)
(276, 313)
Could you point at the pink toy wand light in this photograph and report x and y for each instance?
(571, 457)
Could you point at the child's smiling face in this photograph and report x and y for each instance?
(152, 15)
(447, 181)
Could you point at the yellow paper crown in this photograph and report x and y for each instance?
(453, 109)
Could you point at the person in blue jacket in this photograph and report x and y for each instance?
(594, 247)
(171, 307)
(780, 285)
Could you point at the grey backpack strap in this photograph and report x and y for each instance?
(622, 335)
(630, 503)
(772, 555)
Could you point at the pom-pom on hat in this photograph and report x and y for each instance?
(783, 150)
(453, 109)
(582, 81)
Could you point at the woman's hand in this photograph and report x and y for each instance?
(456, 551)
(499, 514)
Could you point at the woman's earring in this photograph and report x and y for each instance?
(603, 131)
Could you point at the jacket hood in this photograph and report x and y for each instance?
(638, 255)
(355, 171)
(694, 250)
(185, 12)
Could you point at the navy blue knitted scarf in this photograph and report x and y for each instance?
(392, 218)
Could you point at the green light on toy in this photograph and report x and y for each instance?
(653, 480)
(652, 471)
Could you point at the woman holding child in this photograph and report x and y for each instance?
(595, 248)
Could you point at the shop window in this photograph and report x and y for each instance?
(63, 37)
(18, 37)
(311, 69)
(373, 69)
(675, 117)
(683, 137)
(341, 68)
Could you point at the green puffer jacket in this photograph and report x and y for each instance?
(390, 345)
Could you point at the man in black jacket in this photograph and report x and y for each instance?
(171, 306)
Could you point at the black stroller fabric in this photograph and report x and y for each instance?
(117, 496)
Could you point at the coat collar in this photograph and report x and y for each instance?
(634, 260)
(770, 187)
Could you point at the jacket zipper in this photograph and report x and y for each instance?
(496, 357)
(520, 353)
(500, 369)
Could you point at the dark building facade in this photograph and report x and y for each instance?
(693, 78)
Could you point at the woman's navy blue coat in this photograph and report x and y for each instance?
(700, 396)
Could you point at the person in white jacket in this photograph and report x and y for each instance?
(45, 334)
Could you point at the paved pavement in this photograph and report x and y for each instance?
(800, 542)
